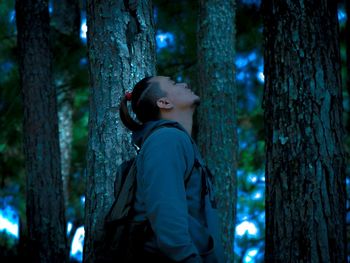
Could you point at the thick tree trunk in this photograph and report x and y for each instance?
(45, 202)
(217, 136)
(305, 169)
(347, 44)
(121, 52)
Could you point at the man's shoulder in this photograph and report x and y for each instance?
(170, 133)
(169, 138)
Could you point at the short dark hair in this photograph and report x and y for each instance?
(143, 102)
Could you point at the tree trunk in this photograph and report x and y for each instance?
(347, 45)
(121, 48)
(305, 169)
(217, 137)
(347, 74)
(65, 125)
(66, 22)
(45, 202)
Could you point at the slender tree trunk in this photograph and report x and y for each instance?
(66, 22)
(217, 136)
(305, 169)
(121, 51)
(65, 125)
(45, 202)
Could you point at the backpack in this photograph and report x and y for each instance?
(120, 233)
(123, 238)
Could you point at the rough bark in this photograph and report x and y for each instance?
(217, 137)
(45, 202)
(347, 45)
(121, 48)
(305, 169)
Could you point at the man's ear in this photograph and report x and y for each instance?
(164, 103)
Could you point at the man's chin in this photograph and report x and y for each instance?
(197, 101)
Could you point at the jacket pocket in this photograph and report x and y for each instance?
(201, 237)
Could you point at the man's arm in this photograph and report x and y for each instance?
(166, 157)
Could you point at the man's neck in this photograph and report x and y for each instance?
(184, 118)
(187, 124)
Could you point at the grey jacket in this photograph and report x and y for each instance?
(182, 215)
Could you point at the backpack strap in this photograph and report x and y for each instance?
(188, 175)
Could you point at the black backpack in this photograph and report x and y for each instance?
(122, 238)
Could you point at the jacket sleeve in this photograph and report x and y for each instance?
(166, 157)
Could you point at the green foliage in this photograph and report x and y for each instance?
(12, 179)
(80, 128)
(178, 18)
(249, 27)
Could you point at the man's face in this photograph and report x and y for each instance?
(179, 94)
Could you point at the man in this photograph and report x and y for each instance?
(173, 192)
